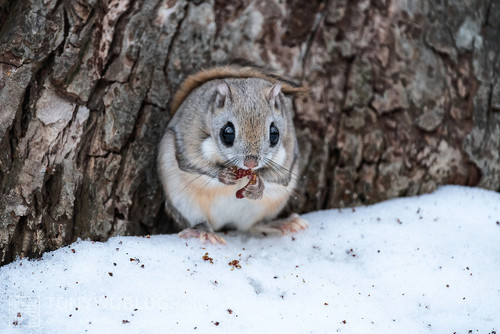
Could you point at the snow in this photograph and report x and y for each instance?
(427, 264)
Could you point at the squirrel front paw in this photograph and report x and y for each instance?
(253, 190)
(227, 176)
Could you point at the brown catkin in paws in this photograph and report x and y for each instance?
(241, 173)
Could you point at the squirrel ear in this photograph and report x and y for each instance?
(223, 93)
(272, 95)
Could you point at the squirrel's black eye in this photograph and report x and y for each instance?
(227, 134)
(274, 135)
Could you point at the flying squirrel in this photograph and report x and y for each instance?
(229, 158)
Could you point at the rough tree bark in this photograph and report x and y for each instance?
(405, 96)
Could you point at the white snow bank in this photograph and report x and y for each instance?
(428, 264)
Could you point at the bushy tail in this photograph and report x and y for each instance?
(231, 71)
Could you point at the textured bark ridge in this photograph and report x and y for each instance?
(405, 95)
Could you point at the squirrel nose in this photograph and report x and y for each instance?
(250, 161)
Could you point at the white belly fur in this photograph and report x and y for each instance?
(200, 198)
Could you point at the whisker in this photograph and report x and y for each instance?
(284, 168)
(279, 169)
(211, 176)
(196, 178)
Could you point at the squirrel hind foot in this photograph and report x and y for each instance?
(202, 235)
(294, 223)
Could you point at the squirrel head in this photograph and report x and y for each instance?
(249, 124)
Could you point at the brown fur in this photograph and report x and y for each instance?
(195, 80)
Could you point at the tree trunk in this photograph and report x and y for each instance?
(405, 96)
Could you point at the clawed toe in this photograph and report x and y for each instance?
(202, 235)
(212, 238)
(293, 224)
